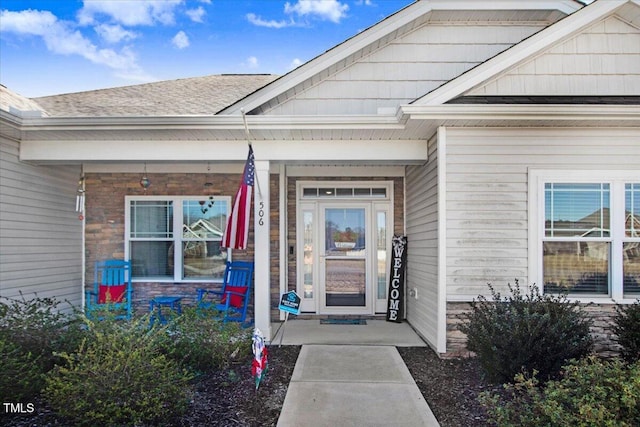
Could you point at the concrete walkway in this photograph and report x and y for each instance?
(353, 385)
(375, 332)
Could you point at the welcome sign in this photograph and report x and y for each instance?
(395, 308)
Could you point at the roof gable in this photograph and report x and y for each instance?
(595, 51)
(602, 60)
(358, 55)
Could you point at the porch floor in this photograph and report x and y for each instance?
(375, 332)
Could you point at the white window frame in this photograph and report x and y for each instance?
(177, 235)
(617, 180)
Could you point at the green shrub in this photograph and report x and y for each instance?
(201, 342)
(525, 332)
(21, 375)
(627, 328)
(590, 392)
(118, 377)
(32, 332)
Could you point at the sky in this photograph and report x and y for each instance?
(51, 47)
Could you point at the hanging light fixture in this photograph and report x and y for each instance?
(80, 196)
(145, 182)
(206, 205)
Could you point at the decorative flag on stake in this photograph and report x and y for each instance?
(237, 232)
(259, 364)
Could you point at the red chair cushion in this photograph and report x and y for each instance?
(236, 300)
(113, 293)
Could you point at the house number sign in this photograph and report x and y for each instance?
(395, 308)
(261, 213)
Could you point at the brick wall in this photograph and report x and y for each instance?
(105, 193)
(105, 216)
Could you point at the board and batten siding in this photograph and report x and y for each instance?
(487, 199)
(40, 234)
(422, 250)
(402, 70)
(602, 60)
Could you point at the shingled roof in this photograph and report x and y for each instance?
(11, 101)
(191, 96)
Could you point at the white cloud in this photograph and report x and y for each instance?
(180, 40)
(32, 22)
(130, 12)
(364, 2)
(114, 33)
(60, 38)
(196, 15)
(331, 10)
(251, 62)
(295, 63)
(258, 21)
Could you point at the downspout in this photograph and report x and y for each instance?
(441, 345)
(83, 257)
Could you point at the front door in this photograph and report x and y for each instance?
(344, 263)
(343, 247)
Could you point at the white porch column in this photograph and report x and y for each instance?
(262, 302)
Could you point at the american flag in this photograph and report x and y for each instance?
(237, 232)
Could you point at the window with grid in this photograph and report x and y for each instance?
(577, 238)
(631, 241)
(176, 238)
(590, 239)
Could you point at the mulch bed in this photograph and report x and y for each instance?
(229, 398)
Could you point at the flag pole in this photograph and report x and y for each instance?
(248, 136)
(246, 127)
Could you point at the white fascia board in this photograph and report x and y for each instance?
(520, 52)
(399, 151)
(564, 6)
(523, 112)
(234, 122)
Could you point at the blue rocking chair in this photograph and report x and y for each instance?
(232, 301)
(112, 290)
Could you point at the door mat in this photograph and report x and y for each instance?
(343, 321)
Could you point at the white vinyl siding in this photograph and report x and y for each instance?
(487, 195)
(400, 71)
(422, 251)
(602, 60)
(40, 233)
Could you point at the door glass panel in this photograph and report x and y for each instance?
(381, 236)
(345, 232)
(345, 281)
(345, 261)
(308, 255)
